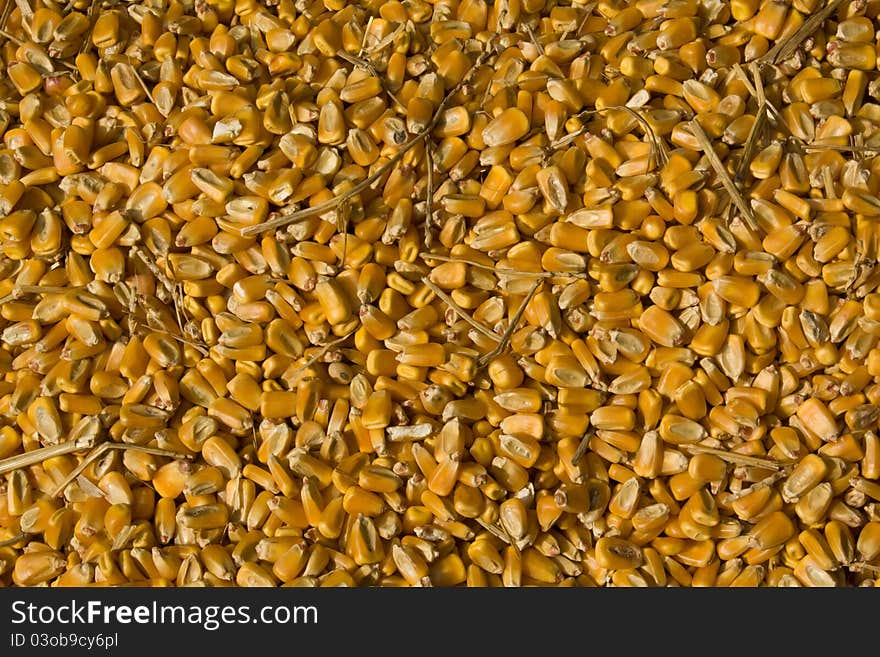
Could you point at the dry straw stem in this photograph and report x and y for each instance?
(751, 143)
(743, 76)
(201, 349)
(123, 538)
(169, 286)
(75, 473)
(582, 446)
(21, 291)
(4, 14)
(842, 149)
(311, 360)
(505, 338)
(429, 200)
(828, 182)
(12, 541)
(461, 312)
(41, 454)
(758, 130)
(658, 149)
(495, 530)
(857, 566)
(141, 82)
(86, 45)
(11, 37)
(153, 267)
(378, 46)
(767, 111)
(758, 485)
(534, 39)
(368, 65)
(155, 451)
(87, 486)
(759, 83)
(106, 447)
(786, 48)
(502, 270)
(754, 92)
(723, 176)
(733, 457)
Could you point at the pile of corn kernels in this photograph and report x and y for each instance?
(400, 292)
